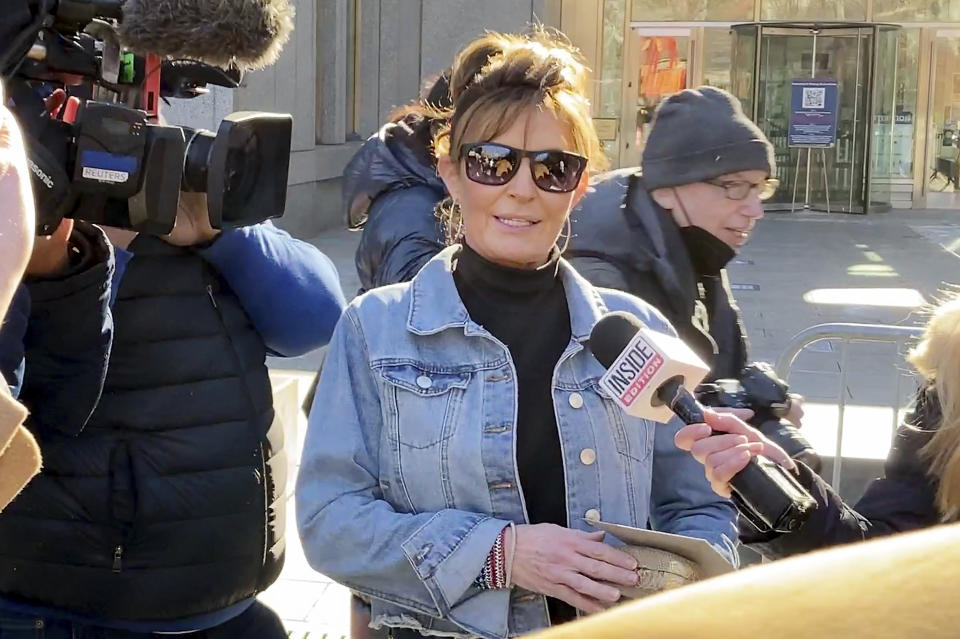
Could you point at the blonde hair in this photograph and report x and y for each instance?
(937, 358)
(516, 73)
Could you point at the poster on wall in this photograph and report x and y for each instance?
(813, 113)
(893, 144)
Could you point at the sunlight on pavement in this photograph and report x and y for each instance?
(310, 604)
(867, 430)
(890, 297)
(872, 270)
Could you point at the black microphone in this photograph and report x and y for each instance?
(646, 375)
(248, 34)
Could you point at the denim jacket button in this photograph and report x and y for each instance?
(588, 456)
(592, 515)
(576, 400)
(424, 382)
(424, 551)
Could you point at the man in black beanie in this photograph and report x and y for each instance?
(666, 232)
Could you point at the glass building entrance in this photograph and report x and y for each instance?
(846, 175)
(896, 64)
(943, 138)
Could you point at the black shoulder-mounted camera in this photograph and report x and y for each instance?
(104, 156)
(768, 396)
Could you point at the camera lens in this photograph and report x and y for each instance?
(196, 164)
(243, 166)
(240, 171)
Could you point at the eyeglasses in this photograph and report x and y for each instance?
(496, 164)
(739, 190)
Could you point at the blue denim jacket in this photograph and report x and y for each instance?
(408, 472)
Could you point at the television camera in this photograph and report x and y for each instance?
(86, 78)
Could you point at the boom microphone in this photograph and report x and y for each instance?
(246, 33)
(651, 375)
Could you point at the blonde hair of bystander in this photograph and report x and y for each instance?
(937, 358)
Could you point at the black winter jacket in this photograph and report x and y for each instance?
(903, 499)
(395, 190)
(624, 240)
(62, 327)
(167, 503)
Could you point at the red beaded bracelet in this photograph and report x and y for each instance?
(494, 573)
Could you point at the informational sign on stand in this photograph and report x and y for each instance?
(813, 113)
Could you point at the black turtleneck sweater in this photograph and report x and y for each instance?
(526, 309)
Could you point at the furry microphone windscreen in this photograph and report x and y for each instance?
(247, 33)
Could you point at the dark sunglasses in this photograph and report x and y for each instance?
(496, 164)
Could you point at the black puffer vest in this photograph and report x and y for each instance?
(170, 502)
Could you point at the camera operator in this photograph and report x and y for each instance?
(164, 511)
(920, 485)
(666, 234)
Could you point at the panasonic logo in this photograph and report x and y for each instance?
(43, 177)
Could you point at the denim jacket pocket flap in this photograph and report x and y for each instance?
(422, 381)
(633, 436)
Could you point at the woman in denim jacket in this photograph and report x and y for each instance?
(459, 443)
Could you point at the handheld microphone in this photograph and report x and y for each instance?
(246, 33)
(651, 375)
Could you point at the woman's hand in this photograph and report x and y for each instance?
(569, 565)
(723, 456)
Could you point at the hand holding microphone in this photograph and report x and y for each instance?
(725, 455)
(652, 376)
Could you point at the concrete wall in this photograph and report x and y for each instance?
(448, 25)
(420, 38)
(200, 113)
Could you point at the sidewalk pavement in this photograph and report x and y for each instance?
(798, 270)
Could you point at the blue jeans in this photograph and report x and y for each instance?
(256, 622)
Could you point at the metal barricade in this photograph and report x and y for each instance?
(847, 333)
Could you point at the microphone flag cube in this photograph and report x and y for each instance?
(648, 361)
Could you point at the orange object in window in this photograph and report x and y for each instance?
(664, 73)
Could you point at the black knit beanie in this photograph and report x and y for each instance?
(699, 135)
